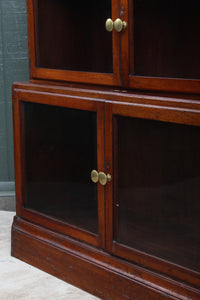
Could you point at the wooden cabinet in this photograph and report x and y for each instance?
(127, 105)
(158, 50)
(147, 215)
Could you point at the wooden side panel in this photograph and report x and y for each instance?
(17, 151)
(31, 37)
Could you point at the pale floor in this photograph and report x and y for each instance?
(20, 281)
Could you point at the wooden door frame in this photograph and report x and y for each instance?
(180, 112)
(72, 76)
(23, 96)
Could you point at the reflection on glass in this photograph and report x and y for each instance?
(166, 38)
(60, 152)
(71, 35)
(158, 188)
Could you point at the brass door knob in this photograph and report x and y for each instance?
(119, 25)
(103, 178)
(109, 25)
(94, 176)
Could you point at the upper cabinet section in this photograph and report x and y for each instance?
(68, 41)
(155, 47)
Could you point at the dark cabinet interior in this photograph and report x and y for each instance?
(71, 35)
(60, 150)
(107, 143)
(157, 189)
(166, 38)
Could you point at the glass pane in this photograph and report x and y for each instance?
(71, 35)
(60, 152)
(158, 187)
(166, 38)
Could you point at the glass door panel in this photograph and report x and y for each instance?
(60, 152)
(166, 40)
(157, 189)
(71, 35)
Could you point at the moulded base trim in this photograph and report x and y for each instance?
(91, 269)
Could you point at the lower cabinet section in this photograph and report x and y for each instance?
(132, 231)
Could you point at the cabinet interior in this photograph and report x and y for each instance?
(157, 191)
(71, 35)
(60, 152)
(166, 40)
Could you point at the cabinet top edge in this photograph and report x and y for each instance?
(116, 94)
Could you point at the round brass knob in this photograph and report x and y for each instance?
(119, 25)
(103, 178)
(109, 25)
(94, 176)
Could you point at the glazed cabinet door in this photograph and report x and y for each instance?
(59, 138)
(68, 41)
(153, 210)
(164, 45)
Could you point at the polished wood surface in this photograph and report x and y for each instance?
(91, 269)
(174, 122)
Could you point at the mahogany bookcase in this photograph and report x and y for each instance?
(107, 144)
